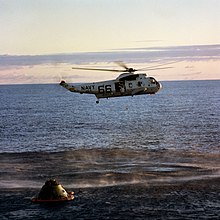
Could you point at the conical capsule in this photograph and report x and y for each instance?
(52, 191)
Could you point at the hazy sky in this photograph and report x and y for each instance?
(42, 27)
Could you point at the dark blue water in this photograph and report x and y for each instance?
(183, 116)
(48, 132)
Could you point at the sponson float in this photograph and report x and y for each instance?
(52, 191)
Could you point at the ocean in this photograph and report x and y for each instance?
(125, 158)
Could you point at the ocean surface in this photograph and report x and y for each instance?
(49, 132)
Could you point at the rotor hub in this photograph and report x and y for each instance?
(131, 70)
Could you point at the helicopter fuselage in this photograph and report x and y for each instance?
(126, 84)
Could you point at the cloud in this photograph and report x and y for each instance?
(52, 68)
(148, 41)
(190, 67)
(129, 55)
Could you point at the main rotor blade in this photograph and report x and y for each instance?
(159, 68)
(163, 64)
(97, 69)
(120, 63)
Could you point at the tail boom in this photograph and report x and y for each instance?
(67, 86)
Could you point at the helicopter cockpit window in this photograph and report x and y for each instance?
(153, 81)
(129, 78)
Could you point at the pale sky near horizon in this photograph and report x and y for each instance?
(39, 27)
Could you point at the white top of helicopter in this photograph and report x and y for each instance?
(121, 76)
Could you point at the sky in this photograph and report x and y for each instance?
(40, 40)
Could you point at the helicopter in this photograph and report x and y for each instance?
(128, 83)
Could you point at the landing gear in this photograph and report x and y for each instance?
(97, 101)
